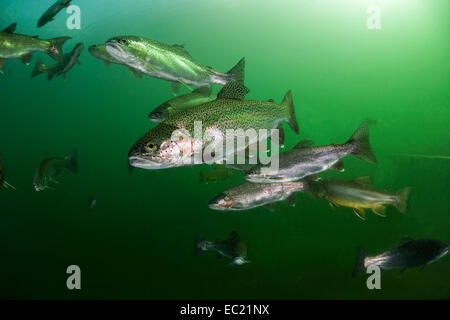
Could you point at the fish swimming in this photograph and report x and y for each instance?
(3, 182)
(410, 253)
(168, 62)
(50, 169)
(99, 51)
(359, 194)
(92, 202)
(305, 160)
(250, 195)
(61, 68)
(233, 248)
(157, 150)
(51, 12)
(180, 103)
(219, 172)
(14, 45)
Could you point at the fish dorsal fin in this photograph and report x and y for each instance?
(11, 28)
(233, 90)
(204, 91)
(178, 46)
(180, 49)
(304, 144)
(364, 181)
(405, 240)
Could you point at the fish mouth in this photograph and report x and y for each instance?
(221, 202)
(143, 163)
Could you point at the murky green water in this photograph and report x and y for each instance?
(138, 241)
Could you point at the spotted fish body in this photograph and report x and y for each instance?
(14, 45)
(410, 253)
(358, 194)
(61, 68)
(180, 103)
(305, 160)
(157, 149)
(233, 248)
(168, 62)
(251, 195)
(51, 12)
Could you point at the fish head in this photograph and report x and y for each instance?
(221, 202)
(162, 147)
(160, 113)
(96, 50)
(133, 51)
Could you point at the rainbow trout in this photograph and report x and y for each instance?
(410, 253)
(161, 148)
(168, 62)
(51, 12)
(50, 169)
(305, 160)
(14, 45)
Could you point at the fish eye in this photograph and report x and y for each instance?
(122, 41)
(227, 198)
(151, 146)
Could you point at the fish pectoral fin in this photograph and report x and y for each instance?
(78, 61)
(338, 166)
(107, 63)
(291, 199)
(380, 210)
(184, 84)
(333, 205)
(26, 58)
(270, 207)
(136, 73)
(175, 87)
(7, 185)
(406, 240)
(360, 213)
(11, 28)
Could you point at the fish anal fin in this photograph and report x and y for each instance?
(26, 58)
(175, 86)
(107, 63)
(304, 144)
(270, 206)
(233, 90)
(360, 213)
(333, 205)
(380, 210)
(291, 200)
(364, 181)
(338, 166)
(136, 73)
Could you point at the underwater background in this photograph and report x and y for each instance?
(138, 241)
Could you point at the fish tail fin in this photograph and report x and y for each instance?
(359, 265)
(360, 139)
(402, 200)
(8, 185)
(197, 241)
(39, 68)
(72, 161)
(289, 104)
(55, 50)
(237, 73)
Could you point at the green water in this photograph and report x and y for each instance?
(138, 241)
